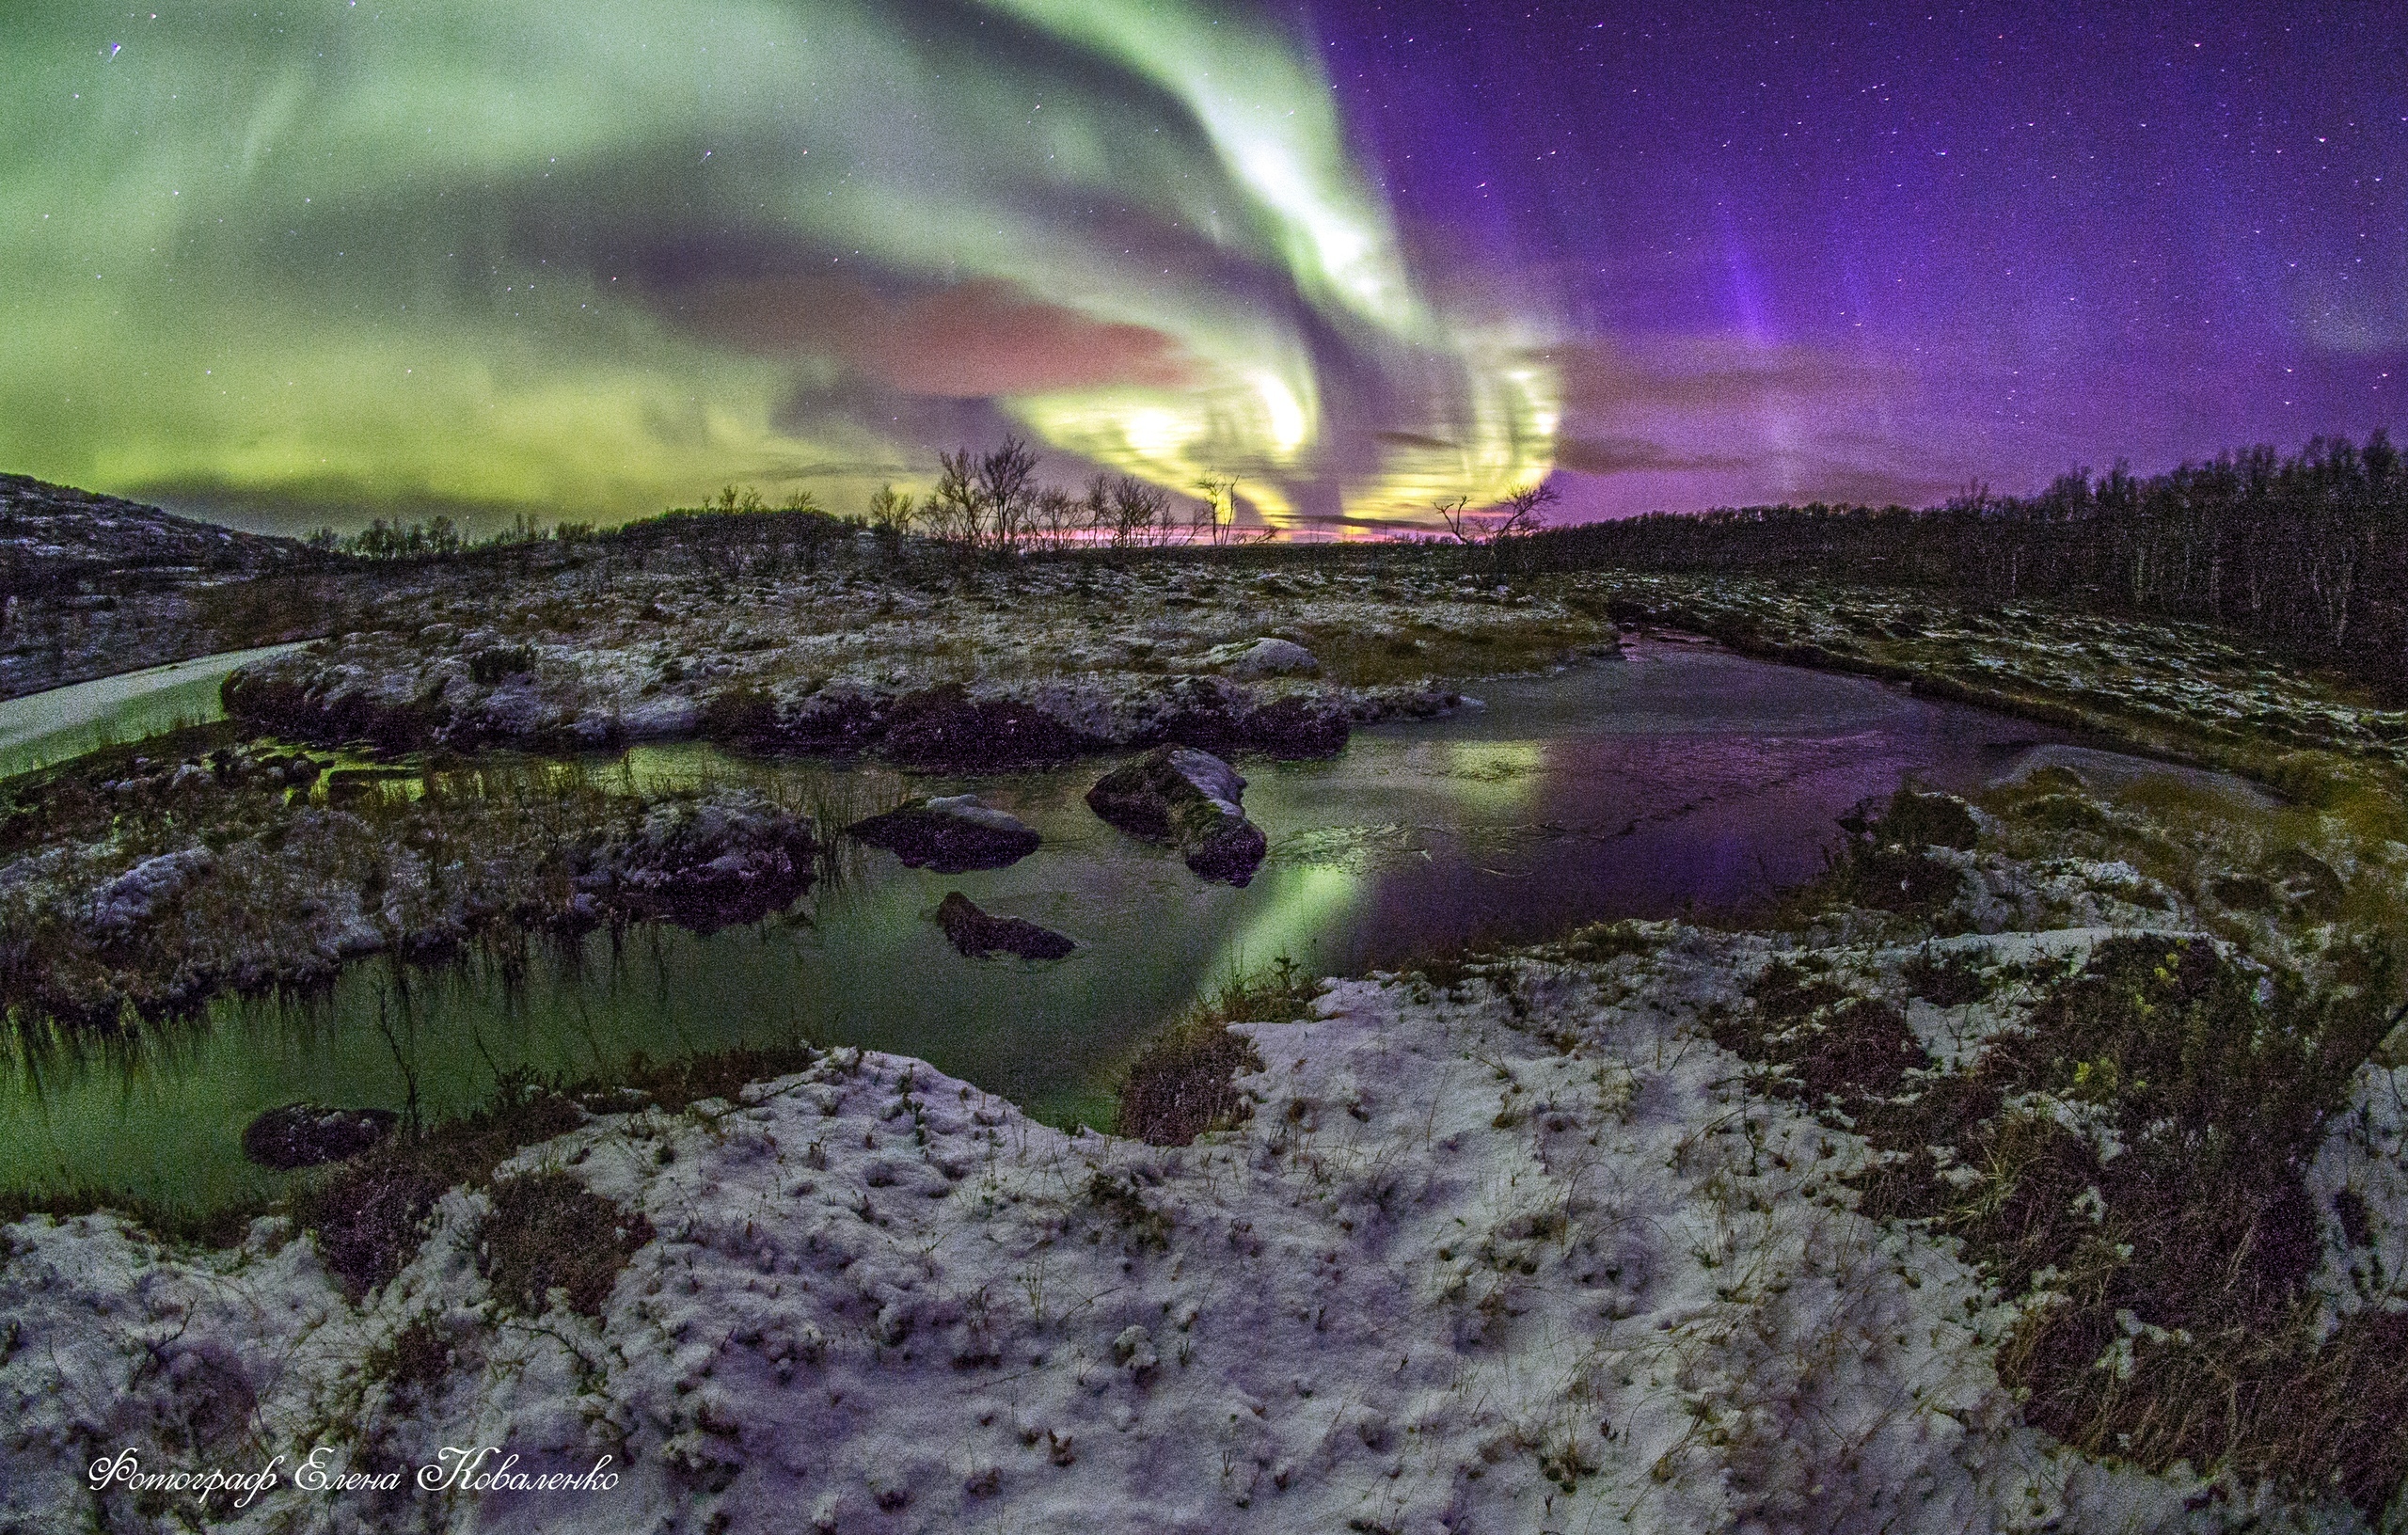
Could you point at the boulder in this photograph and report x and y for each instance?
(704, 864)
(1264, 658)
(977, 935)
(307, 1134)
(1187, 799)
(133, 897)
(949, 834)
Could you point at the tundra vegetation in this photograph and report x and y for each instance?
(2036, 1166)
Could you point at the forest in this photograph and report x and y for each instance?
(2308, 552)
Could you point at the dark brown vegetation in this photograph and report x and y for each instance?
(1182, 1085)
(548, 1232)
(367, 1215)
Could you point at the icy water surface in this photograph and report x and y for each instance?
(1680, 776)
(66, 722)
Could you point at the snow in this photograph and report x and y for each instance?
(1215, 780)
(968, 807)
(2364, 1154)
(1526, 1255)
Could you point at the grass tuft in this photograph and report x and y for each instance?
(1181, 1086)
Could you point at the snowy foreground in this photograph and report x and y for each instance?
(1525, 1256)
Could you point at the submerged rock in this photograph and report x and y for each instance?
(309, 1134)
(977, 935)
(950, 833)
(1187, 799)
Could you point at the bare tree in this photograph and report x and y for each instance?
(891, 511)
(1465, 528)
(1524, 511)
(1220, 491)
(1140, 512)
(1006, 483)
(1057, 514)
(956, 508)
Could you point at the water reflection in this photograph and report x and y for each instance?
(1680, 777)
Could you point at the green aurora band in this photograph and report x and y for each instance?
(586, 259)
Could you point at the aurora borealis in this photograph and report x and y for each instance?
(326, 261)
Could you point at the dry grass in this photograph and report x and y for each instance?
(549, 1233)
(1181, 1086)
(2185, 1330)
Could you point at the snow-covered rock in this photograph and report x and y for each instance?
(1265, 657)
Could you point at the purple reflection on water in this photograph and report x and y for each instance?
(1682, 777)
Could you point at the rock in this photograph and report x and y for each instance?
(1264, 658)
(951, 833)
(1187, 799)
(942, 729)
(131, 898)
(704, 864)
(307, 1134)
(977, 935)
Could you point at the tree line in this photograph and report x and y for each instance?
(990, 501)
(2308, 552)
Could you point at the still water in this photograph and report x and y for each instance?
(1681, 776)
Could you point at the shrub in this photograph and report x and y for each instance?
(2186, 1330)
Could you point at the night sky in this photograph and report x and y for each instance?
(318, 263)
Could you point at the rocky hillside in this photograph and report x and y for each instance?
(49, 532)
(92, 585)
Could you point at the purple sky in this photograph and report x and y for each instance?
(1875, 252)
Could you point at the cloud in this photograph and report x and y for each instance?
(971, 340)
(1628, 455)
(1708, 373)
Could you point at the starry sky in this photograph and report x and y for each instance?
(314, 262)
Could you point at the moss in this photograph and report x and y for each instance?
(1944, 980)
(366, 1218)
(417, 1356)
(1181, 1086)
(1830, 1042)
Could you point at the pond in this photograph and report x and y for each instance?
(1679, 777)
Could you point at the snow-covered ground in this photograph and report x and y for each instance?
(1529, 1254)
